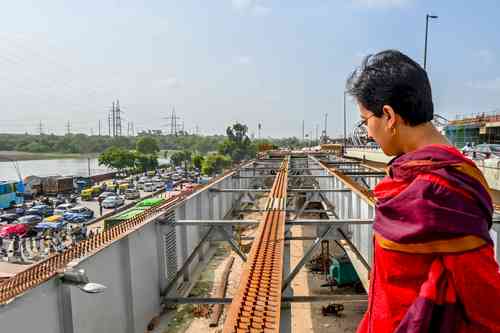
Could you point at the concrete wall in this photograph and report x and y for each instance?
(134, 269)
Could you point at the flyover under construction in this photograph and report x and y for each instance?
(149, 261)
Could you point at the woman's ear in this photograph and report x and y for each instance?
(390, 116)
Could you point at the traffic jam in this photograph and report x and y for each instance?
(55, 212)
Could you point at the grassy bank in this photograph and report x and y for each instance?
(25, 156)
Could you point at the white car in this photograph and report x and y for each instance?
(159, 185)
(63, 208)
(113, 202)
(149, 187)
(131, 194)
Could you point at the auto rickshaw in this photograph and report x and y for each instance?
(123, 187)
(96, 190)
(86, 194)
(111, 186)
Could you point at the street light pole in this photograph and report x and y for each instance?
(427, 17)
(345, 124)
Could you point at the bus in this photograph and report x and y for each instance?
(11, 193)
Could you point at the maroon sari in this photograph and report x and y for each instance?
(433, 269)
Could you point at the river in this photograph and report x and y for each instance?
(63, 167)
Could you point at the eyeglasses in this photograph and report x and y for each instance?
(363, 122)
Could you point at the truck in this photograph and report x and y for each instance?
(57, 184)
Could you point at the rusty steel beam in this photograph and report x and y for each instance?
(256, 306)
(366, 194)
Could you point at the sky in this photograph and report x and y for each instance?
(277, 62)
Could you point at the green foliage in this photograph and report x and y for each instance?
(180, 158)
(237, 144)
(197, 161)
(83, 144)
(146, 162)
(147, 145)
(117, 158)
(215, 163)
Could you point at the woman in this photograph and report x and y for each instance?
(434, 268)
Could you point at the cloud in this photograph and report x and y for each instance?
(254, 7)
(243, 60)
(382, 3)
(492, 85)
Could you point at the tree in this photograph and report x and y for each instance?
(117, 158)
(215, 163)
(147, 145)
(237, 144)
(197, 161)
(146, 162)
(181, 157)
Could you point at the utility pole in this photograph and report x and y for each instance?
(132, 129)
(113, 118)
(109, 124)
(326, 122)
(259, 128)
(40, 128)
(99, 127)
(317, 137)
(68, 128)
(427, 17)
(345, 123)
(173, 125)
(303, 134)
(118, 119)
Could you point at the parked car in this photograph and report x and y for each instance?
(158, 185)
(29, 219)
(42, 210)
(149, 187)
(106, 194)
(8, 217)
(61, 209)
(132, 194)
(113, 202)
(18, 229)
(86, 194)
(56, 226)
(78, 214)
(484, 151)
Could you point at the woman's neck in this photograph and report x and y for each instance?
(416, 137)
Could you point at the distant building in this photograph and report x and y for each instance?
(476, 129)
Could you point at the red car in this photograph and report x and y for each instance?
(14, 229)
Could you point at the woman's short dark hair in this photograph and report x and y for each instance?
(392, 78)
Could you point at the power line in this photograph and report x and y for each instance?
(173, 126)
(118, 119)
(114, 118)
